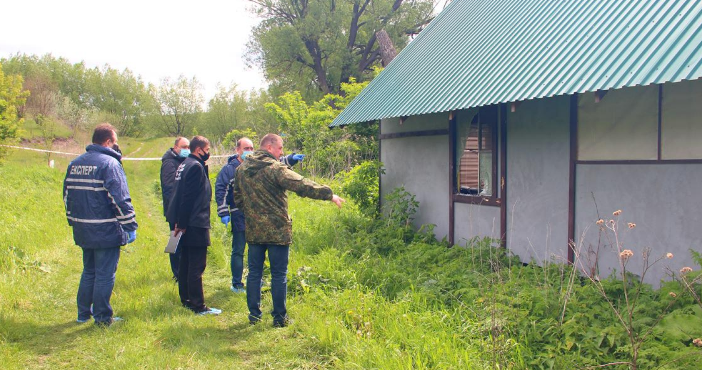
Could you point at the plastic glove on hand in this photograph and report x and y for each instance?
(225, 220)
(298, 157)
(132, 236)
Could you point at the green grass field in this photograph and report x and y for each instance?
(41, 268)
(360, 296)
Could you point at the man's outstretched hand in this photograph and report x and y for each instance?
(337, 200)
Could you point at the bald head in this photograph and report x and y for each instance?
(244, 145)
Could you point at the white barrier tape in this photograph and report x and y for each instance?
(75, 154)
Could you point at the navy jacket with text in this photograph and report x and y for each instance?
(223, 194)
(97, 201)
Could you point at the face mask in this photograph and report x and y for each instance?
(115, 147)
(184, 153)
(244, 154)
(205, 157)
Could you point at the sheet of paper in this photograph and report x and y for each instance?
(172, 245)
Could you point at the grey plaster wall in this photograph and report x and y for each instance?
(663, 200)
(472, 220)
(538, 152)
(420, 164)
(425, 122)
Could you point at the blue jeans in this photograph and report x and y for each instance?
(237, 261)
(96, 284)
(278, 259)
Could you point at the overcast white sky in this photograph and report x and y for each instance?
(153, 38)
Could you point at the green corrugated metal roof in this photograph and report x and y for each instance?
(481, 52)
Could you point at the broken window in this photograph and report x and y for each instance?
(475, 151)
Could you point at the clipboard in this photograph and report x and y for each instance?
(173, 241)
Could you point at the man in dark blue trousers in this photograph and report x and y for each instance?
(170, 161)
(99, 209)
(229, 213)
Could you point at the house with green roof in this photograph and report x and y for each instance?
(527, 121)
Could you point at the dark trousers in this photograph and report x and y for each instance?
(174, 257)
(193, 261)
(237, 261)
(96, 284)
(278, 259)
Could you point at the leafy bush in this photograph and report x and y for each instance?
(362, 185)
(400, 207)
(495, 312)
(232, 136)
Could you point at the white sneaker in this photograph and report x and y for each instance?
(210, 311)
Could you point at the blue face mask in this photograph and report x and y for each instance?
(244, 154)
(184, 153)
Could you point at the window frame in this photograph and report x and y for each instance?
(494, 199)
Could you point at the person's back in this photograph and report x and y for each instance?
(264, 201)
(95, 184)
(99, 209)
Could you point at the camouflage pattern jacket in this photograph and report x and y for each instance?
(260, 188)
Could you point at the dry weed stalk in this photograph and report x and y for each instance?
(624, 313)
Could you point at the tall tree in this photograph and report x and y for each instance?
(11, 98)
(106, 93)
(179, 104)
(323, 43)
(226, 111)
(121, 94)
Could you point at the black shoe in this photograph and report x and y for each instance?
(253, 320)
(281, 323)
(105, 324)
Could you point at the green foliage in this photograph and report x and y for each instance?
(362, 184)
(121, 95)
(315, 46)
(400, 207)
(11, 98)
(233, 136)
(362, 293)
(227, 109)
(179, 104)
(305, 129)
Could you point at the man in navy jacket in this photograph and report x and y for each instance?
(228, 212)
(170, 161)
(99, 209)
(189, 211)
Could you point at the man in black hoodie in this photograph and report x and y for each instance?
(189, 211)
(170, 161)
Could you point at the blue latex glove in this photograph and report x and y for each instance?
(225, 220)
(298, 157)
(132, 236)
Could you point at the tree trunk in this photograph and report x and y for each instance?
(314, 50)
(387, 49)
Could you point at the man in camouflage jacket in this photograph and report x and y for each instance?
(260, 187)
